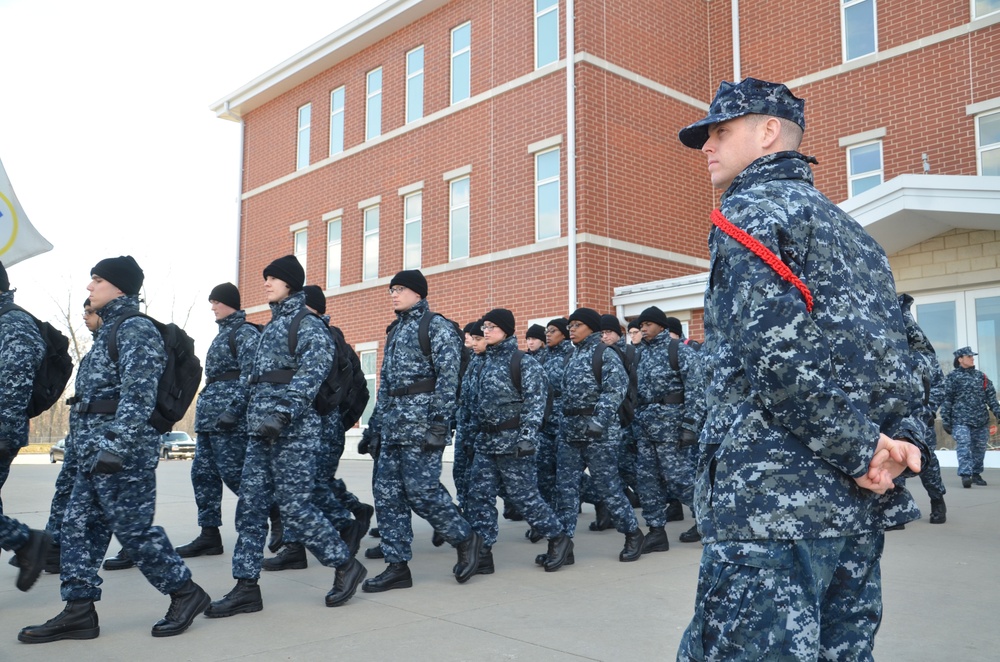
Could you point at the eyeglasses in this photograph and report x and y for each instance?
(574, 325)
(396, 289)
(487, 328)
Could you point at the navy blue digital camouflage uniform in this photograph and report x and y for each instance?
(969, 397)
(21, 352)
(795, 401)
(466, 427)
(545, 458)
(508, 417)
(122, 503)
(583, 401)
(284, 471)
(627, 449)
(666, 468)
(407, 476)
(13, 534)
(219, 454)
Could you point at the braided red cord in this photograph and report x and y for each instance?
(764, 253)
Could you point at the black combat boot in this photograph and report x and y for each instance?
(186, 603)
(542, 558)
(78, 620)
(374, 532)
(510, 512)
(374, 552)
(208, 543)
(560, 553)
(533, 535)
(31, 558)
(437, 539)
(966, 481)
(52, 559)
(655, 541)
(395, 575)
(633, 498)
(120, 561)
(469, 551)
(243, 599)
(346, 581)
(363, 513)
(486, 566)
(292, 556)
(675, 511)
(603, 521)
(978, 480)
(633, 546)
(277, 529)
(691, 535)
(352, 535)
(939, 512)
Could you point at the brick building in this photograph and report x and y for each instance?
(456, 137)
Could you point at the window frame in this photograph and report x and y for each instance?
(980, 149)
(339, 245)
(303, 136)
(851, 178)
(302, 256)
(365, 234)
(467, 50)
(844, 6)
(418, 220)
(539, 184)
(334, 113)
(414, 75)
(975, 15)
(538, 16)
(372, 382)
(370, 98)
(452, 208)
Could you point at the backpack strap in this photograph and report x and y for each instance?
(293, 329)
(232, 338)
(672, 350)
(598, 363)
(764, 253)
(113, 332)
(515, 370)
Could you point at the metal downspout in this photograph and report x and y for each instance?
(571, 154)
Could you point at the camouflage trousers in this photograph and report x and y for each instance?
(664, 471)
(13, 534)
(5, 463)
(461, 468)
(324, 496)
(123, 504)
(627, 452)
(282, 473)
(61, 494)
(930, 477)
(970, 446)
(518, 477)
(545, 462)
(408, 478)
(787, 600)
(601, 459)
(218, 459)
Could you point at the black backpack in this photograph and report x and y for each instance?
(626, 411)
(516, 360)
(181, 376)
(345, 388)
(54, 370)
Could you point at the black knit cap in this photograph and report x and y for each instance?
(123, 272)
(412, 279)
(560, 323)
(634, 324)
(474, 328)
(588, 316)
(536, 331)
(4, 281)
(503, 318)
(673, 325)
(289, 270)
(654, 315)
(315, 298)
(226, 293)
(611, 323)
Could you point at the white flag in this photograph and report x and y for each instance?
(18, 239)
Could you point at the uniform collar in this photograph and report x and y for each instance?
(780, 165)
(232, 320)
(118, 306)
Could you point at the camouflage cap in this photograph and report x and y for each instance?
(749, 96)
(964, 351)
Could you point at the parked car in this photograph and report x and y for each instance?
(57, 451)
(175, 444)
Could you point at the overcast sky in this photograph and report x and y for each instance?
(107, 139)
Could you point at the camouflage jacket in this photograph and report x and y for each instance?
(21, 352)
(541, 355)
(403, 419)
(132, 381)
(229, 394)
(927, 364)
(580, 392)
(555, 362)
(500, 401)
(661, 422)
(467, 412)
(796, 400)
(314, 357)
(969, 396)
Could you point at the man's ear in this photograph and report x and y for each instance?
(770, 133)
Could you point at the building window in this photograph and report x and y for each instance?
(547, 194)
(546, 32)
(373, 105)
(412, 205)
(371, 244)
(988, 143)
(458, 219)
(302, 144)
(864, 167)
(300, 240)
(368, 362)
(461, 63)
(337, 121)
(415, 84)
(857, 17)
(982, 8)
(333, 229)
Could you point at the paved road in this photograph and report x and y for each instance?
(940, 594)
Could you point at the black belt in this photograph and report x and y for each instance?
(583, 411)
(95, 407)
(226, 376)
(509, 424)
(273, 377)
(668, 399)
(423, 386)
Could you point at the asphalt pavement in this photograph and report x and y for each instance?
(939, 581)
